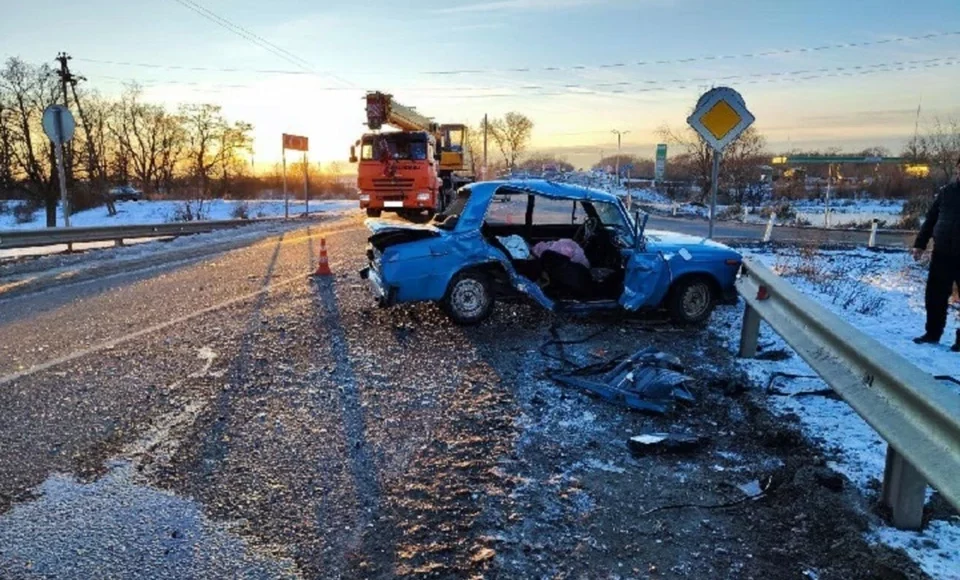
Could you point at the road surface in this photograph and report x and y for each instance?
(736, 231)
(225, 415)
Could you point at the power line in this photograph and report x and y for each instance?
(620, 89)
(308, 70)
(254, 38)
(195, 68)
(618, 86)
(778, 52)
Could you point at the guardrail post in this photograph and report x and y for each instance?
(749, 333)
(872, 242)
(904, 491)
(674, 210)
(769, 231)
(746, 214)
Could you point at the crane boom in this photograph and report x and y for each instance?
(383, 110)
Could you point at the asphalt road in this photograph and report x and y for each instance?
(735, 231)
(227, 416)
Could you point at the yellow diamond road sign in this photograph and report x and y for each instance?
(720, 117)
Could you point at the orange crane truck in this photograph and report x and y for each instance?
(413, 171)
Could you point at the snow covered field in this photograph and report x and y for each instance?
(154, 212)
(881, 294)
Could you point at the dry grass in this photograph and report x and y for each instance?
(845, 289)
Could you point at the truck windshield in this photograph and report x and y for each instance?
(389, 146)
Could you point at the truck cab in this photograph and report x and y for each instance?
(398, 172)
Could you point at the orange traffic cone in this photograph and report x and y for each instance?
(323, 265)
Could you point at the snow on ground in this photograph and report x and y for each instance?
(142, 212)
(154, 212)
(881, 294)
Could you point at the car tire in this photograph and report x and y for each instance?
(373, 213)
(469, 299)
(691, 300)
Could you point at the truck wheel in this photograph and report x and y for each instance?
(691, 301)
(373, 213)
(469, 299)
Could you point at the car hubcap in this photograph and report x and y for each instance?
(469, 297)
(695, 300)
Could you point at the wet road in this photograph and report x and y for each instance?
(230, 417)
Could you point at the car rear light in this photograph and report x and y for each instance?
(425, 196)
(732, 262)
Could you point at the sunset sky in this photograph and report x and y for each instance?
(337, 50)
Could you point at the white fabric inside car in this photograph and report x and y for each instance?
(516, 246)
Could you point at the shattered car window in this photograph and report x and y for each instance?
(448, 218)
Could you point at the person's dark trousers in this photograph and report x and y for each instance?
(944, 273)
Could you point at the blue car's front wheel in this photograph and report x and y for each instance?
(691, 300)
(469, 299)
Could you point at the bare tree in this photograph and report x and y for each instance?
(148, 137)
(172, 139)
(512, 135)
(943, 146)
(233, 140)
(6, 144)
(697, 151)
(93, 122)
(740, 167)
(741, 158)
(204, 124)
(29, 91)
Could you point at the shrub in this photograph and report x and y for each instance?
(23, 212)
(189, 211)
(845, 289)
(782, 210)
(240, 211)
(731, 212)
(913, 211)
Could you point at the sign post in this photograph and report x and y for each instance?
(306, 189)
(296, 143)
(719, 118)
(660, 169)
(59, 125)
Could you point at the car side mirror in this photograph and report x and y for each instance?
(353, 154)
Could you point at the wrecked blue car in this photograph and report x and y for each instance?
(568, 248)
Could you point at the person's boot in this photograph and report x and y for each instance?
(956, 345)
(927, 339)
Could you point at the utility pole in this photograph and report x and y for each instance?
(484, 147)
(619, 135)
(65, 79)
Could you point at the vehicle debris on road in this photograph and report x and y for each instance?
(651, 443)
(649, 380)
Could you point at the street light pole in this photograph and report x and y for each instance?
(619, 135)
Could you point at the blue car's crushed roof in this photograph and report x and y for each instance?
(557, 190)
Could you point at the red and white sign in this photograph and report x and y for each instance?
(295, 142)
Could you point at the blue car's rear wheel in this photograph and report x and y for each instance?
(469, 299)
(691, 300)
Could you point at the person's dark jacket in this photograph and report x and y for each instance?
(943, 222)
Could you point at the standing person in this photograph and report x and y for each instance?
(943, 224)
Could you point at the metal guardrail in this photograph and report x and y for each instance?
(916, 415)
(53, 236)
